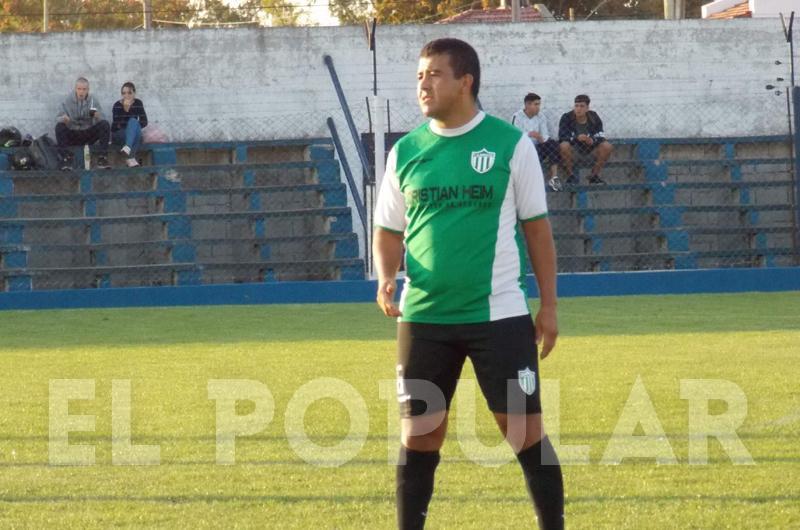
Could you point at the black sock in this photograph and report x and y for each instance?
(545, 485)
(414, 487)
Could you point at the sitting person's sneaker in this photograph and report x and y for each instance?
(555, 183)
(572, 179)
(132, 162)
(102, 163)
(595, 179)
(125, 150)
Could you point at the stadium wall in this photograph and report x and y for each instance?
(647, 78)
(569, 285)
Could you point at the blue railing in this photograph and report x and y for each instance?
(348, 116)
(362, 211)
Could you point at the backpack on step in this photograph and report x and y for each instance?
(21, 159)
(48, 156)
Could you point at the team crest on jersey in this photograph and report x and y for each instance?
(527, 380)
(482, 161)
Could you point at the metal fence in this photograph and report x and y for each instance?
(266, 199)
(717, 193)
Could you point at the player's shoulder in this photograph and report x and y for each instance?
(413, 137)
(500, 129)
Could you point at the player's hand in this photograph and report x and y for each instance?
(65, 119)
(589, 140)
(385, 298)
(546, 330)
(535, 135)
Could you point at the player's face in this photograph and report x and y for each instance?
(81, 90)
(532, 108)
(438, 91)
(581, 109)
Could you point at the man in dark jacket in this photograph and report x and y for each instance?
(80, 121)
(581, 132)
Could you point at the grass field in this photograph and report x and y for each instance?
(606, 344)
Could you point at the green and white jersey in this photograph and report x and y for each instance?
(457, 196)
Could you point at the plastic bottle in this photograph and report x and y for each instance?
(87, 158)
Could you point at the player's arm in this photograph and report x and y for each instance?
(387, 241)
(387, 250)
(531, 205)
(542, 253)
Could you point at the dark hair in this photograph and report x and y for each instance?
(530, 96)
(582, 98)
(463, 59)
(128, 84)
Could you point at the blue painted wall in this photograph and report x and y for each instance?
(588, 284)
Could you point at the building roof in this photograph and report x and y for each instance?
(738, 11)
(492, 15)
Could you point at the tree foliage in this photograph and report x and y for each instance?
(79, 15)
(407, 11)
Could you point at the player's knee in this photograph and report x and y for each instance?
(521, 430)
(424, 442)
(425, 432)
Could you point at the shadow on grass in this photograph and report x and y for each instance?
(388, 498)
(567, 438)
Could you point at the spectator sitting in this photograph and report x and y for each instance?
(129, 120)
(532, 123)
(81, 122)
(581, 131)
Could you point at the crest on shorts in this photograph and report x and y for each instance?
(402, 393)
(482, 161)
(527, 380)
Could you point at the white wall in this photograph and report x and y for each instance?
(646, 78)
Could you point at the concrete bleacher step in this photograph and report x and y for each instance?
(255, 224)
(319, 171)
(193, 200)
(66, 277)
(192, 250)
(215, 152)
(219, 212)
(195, 212)
(160, 274)
(676, 260)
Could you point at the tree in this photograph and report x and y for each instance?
(79, 15)
(281, 12)
(401, 11)
(616, 9)
(404, 11)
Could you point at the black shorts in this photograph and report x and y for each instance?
(584, 149)
(503, 354)
(548, 152)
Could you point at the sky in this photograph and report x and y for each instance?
(318, 13)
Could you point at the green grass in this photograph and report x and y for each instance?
(170, 355)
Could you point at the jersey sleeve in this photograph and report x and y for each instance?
(528, 182)
(390, 210)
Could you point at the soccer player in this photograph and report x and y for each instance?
(461, 192)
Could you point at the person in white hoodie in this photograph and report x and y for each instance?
(80, 122)
(530, 120)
